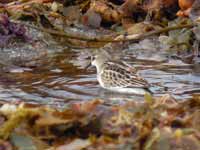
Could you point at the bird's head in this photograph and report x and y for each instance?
(99, 59)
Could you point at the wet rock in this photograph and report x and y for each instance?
(195, 11)
(28, 54)
(72, 13)
(196, 31)
(92, 19)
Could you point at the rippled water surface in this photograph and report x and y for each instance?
(63, 78)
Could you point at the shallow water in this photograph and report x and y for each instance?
(63, 79)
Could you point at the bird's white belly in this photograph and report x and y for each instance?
(137, 91)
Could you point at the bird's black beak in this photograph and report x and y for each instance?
(90, 63)
(88, 66)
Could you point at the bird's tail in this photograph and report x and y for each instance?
(149, 91)
(165, 89)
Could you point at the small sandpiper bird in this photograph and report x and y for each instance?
(118, 77)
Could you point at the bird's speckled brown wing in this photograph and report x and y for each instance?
(118, 75)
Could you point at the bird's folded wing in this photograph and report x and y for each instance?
(123, 76)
